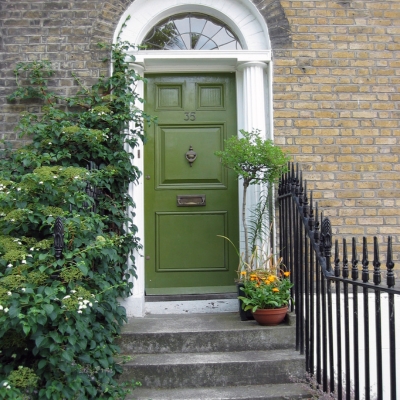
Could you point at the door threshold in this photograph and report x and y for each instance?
(189, 297)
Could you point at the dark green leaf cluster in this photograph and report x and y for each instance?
(253, 158)
(59, 318)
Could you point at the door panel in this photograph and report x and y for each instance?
(187, 205)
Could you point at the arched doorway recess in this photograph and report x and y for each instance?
(252, 67)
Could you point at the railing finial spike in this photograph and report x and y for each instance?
(337, 259)
(376, 263)
(390, 279)
(354, 261)
(345, 260)
(365, 262)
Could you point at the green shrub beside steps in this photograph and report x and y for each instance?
(59, 318)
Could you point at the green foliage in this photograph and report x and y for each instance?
(264, 289)
(59, 318)
(253, 159)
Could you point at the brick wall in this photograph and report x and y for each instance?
(336, 89)
(336, 100)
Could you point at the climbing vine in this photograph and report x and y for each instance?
(59, 318)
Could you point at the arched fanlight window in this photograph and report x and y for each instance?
(191, 31)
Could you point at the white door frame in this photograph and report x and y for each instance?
(253, 68)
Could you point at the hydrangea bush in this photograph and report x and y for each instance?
(59, 318)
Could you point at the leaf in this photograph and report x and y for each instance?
(83, 268)
(26, 329)
(48, 308)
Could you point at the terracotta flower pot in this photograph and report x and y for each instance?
(270, 316)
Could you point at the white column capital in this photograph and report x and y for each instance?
(248, 64)
(139, 68)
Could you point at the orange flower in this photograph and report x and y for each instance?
(286, 273)
(275, 289)
(272, 278)
(243, 273)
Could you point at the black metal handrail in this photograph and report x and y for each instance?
(326, 299)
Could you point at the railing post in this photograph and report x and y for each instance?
(338, 322)
(354, 276)
(377, 281)
(392, 321)
(365, 279)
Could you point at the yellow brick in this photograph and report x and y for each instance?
(306, 123)
(383, 106)
(286, 114)
(389, 230)
(345, 123)
(364, 114)
(349, 194)
(367, 167)
(306, 105)
(326, 167)
(350, 158)
(307, 140)
(324, 79)
(368, 203)
(352, 230)
(343, 54)
(392, 14)
(348, 177)
(327, 132)
(346, 88)
(284, 62)
(365, 149)
(351, 211)
(325, 114)
(370, 221)
(285, 79)
(386, 141)
(388, 193)
(312, 158)
(324, 63)
(368, 185)
(325, 96)
(285, 96)
(370, 211)
(386, 123)
(389, 211)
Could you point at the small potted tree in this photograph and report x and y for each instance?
(255, 161)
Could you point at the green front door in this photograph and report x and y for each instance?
(190, 198)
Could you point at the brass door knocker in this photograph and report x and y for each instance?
(191, 155)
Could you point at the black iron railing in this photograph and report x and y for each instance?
(345, 321)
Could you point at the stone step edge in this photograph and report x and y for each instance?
(253, 392)
(248, 356)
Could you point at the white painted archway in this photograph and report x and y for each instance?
(253, 67)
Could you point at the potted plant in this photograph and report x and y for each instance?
(266, 294)
(255, 161)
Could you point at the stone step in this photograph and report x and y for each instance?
(191, 370)
(287, 391)
(202, 333)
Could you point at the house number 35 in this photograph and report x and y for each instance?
(190, 116)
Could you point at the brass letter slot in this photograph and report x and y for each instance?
(191, 200)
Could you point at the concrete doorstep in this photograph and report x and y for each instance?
(211, 356)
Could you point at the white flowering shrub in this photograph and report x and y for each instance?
(59, 317)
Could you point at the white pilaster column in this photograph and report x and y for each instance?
(135, 305)
(254, 101)
(254, 116)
